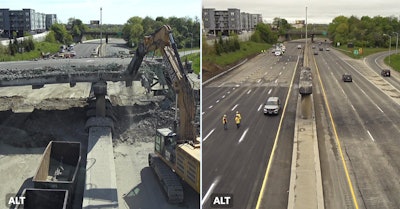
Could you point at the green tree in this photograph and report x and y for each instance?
(263, 33)
(51, 37)
(61, 34)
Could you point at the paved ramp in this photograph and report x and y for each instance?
(100, 186)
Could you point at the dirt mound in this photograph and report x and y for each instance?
(210, 70)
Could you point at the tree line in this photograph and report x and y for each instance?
(186, 31)
(364, 31)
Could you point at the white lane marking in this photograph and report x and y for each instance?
(210, 107)
(280, 73)
(237, 85)
(209, 191)
(223, 96)
(208, 134)
(234, 107)
(259, 81)
(249, 91)
(343, 91)
(228, 92)
(221, 84)
(233, 88)
(269, 92)
(243, 135)
(266, 73)
(217, 101)
(353, 107)
(370, 136)
(203, 113)
(276, 81)
(379, 108)
(283, 68)
(271, 66)
(259, 108)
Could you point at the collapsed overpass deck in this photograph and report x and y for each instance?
(39, 73)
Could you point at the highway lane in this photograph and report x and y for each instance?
(375, 61)
(367, 122)
(235, 160)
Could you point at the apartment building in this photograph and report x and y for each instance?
(25, 20)
(227, 21)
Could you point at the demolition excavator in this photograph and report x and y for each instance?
(176, 152)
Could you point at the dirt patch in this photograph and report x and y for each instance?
(210, 70)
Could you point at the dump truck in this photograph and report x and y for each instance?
(59, 167)
(44, 199)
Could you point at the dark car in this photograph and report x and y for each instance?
(385, 73)
(347, 78)
(321, 49)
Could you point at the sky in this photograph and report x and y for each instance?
(113, 11)
(318, 11)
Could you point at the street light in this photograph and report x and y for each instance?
(390, 45)
(101, 32)
(397, 40)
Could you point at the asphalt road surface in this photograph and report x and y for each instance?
(366, 117)
(235, 160)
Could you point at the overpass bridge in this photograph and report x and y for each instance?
(310, 33)
(105, 34)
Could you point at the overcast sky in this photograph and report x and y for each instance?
(114, 11)
(318, 11)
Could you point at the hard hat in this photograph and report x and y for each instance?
(237, 112)
(224, 115)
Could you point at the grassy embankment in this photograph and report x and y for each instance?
(214, 64)
(394, 62)
(39, 47)
(195, 58)
(394, 59)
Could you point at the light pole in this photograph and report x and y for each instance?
(390, 45)
(101, 33)
(305, 47)
(397, 40)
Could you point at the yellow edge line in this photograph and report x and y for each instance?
(337, 140)
(276, 141)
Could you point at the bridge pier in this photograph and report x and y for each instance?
(100, 91)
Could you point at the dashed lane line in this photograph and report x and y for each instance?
(209, 134)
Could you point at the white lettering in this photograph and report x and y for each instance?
(16, 200)
(221, 200)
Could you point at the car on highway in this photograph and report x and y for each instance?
(385, 72)
(278, 53)
(327, 49)
(315, 52)
(347, 77)
(299, 46)
(321, 49)
(272, 106)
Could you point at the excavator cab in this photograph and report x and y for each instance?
(165, 144)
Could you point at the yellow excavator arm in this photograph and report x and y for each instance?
(163, 40)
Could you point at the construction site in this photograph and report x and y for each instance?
(91, 136)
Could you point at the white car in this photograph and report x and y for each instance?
(278, 53)
(272, 106)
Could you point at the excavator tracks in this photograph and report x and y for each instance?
(168, 179)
